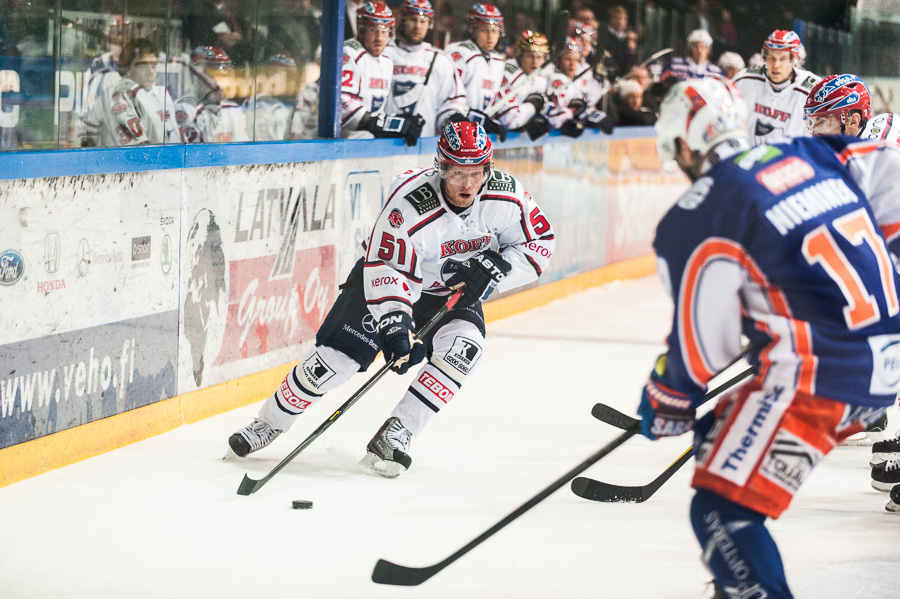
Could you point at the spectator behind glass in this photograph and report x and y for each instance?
(270, 115)
(294, 29)
(215, 23)
(629, 105)
(622, 49)
(136, 110)
(305, 120)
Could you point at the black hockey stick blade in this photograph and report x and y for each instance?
(249, 486)
(390, 573)
(596, 490)
(612, 416)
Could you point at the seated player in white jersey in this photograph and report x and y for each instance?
(778, 244)
(524, 87)
(457, 223)
(574, 95)
(480, 67)
(425, 81)
(366, 81)
(776, 91)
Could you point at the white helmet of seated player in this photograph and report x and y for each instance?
(702, 113)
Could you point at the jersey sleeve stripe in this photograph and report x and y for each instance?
(390, 298)
(860, 149)
(534, 265)
(422, 224)
(522, 221)
(890, 231)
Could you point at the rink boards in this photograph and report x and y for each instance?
(135, 302)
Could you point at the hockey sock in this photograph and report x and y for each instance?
(738, 549)
(424, 398)
(324, 369)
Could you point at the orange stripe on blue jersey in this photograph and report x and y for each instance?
(860, 149)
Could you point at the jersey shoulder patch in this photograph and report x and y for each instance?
(353, 48)
(501, 182)
(470, 46)
(511, 68)
(810, 81)
(423, 198)
(757, 70)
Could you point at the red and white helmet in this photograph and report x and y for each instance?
(785, 41)
(283, 61)
(464, 144)
(377, 14)
(581, 29)
(211, 58)
(839, 95)
(532, 41)
(570, 44)
(703, 113)
(486, 13)
(420, 8)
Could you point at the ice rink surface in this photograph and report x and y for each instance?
(161, 518)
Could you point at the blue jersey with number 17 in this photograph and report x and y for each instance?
(780, 244)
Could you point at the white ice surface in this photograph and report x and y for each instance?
(161, 519)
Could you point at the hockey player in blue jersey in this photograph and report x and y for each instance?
(779, 244)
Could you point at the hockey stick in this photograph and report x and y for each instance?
(654, 56)
(249, 486)
(390, 573)
(596, 490)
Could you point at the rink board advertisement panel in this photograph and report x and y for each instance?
(87, 251)
(56, 382)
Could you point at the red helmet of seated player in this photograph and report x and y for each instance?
(486, 13)
(211, 58)
(463, 144)
(376, 14)
(783, 40)
(420, 8)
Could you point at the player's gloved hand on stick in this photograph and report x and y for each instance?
(406, 126)
(597, 119)
(577, 106)
(572, 128)
(480, 273)
(664, 411)
(395, 330)
(490, 125)
(538, 100)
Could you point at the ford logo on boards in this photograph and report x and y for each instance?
(12, 267)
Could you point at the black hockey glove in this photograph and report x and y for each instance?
(397, 343)
(572, 128)
(577, 106)
(490, 125)
(406, 126)
(538, 100)
(456, 117)
(480, 273)
(538, 126)
(597, 119)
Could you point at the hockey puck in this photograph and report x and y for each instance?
(301, 504)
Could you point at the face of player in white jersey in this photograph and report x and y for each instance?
(374, 38)
(779, 65)
(530, 61)
(485, 36)
(461, 184)
(413, 28)
(143, 71)
(568, 63)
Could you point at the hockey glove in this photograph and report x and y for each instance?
(538, 100)
(537, 127)
(664, 411)
(397, 343)
(406, 126)
(597, 119)
(456, 117)
(577, 106)
(480, 274)
(490, 125)
(572, 128)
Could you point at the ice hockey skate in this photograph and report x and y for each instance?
(868, 437)
(252, 437)
(886, 475)
(387, 453)
(894, 504)
(888, 449)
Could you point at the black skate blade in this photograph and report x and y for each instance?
(249, 486)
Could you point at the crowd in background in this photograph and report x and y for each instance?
(190, 71)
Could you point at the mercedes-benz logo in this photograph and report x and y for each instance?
(84, 257)
(369, 323)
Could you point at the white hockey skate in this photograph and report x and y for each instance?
(252, 437)
(387, 453)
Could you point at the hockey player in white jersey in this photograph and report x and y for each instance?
(204, 114)
(574, 95)
(457, 223)
(526, 84)
(366, 81)
(415, 60)
(481, 68)
(135, 110)
(776, 92)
